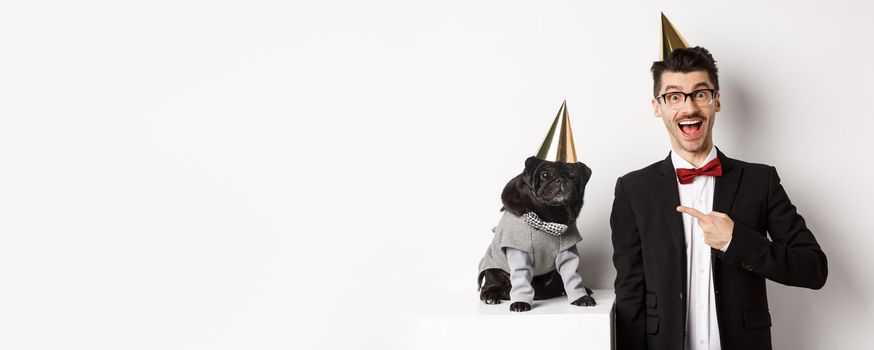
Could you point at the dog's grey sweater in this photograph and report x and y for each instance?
(543, 253)
(566, 263)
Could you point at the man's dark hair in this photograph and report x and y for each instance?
(685, 60)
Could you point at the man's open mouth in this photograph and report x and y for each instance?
(690, 128)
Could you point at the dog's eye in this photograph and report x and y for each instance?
(544, 175)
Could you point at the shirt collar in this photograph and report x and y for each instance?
(680, 163)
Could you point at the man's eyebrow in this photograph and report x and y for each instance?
(674, 87)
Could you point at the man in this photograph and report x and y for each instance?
(691, 232)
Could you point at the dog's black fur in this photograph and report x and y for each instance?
(554, 191)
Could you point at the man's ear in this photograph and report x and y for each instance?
(717, 101)
(656, 108)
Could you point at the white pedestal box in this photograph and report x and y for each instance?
(464, 322)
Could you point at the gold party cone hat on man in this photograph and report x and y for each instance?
(558, 146)
(671, 39)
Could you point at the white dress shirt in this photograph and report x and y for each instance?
(702, 329)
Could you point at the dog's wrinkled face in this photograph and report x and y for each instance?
(555, 183)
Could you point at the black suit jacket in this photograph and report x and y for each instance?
(650, 256)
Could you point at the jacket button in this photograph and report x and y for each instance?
(746, 266)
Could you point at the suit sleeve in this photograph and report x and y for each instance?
(630, 285)
(791, 257)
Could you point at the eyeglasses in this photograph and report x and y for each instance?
(676, 99)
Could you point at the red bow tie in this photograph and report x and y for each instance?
(712, 168)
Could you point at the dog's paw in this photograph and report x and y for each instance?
(490, 297)
(585, 300)
(520, 307)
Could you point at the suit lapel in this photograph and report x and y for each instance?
(726, 185)
(669, 198)
(723, 197)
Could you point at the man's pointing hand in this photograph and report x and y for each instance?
(717, 227)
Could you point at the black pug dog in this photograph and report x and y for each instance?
(554, 191)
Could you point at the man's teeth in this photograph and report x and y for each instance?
(689, 122)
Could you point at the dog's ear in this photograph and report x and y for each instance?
(515, 196)
(531, 165)
(585, 174)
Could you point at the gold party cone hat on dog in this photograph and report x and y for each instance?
(671, 39)
(559, 143)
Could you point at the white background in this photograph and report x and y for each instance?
(274, 175)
